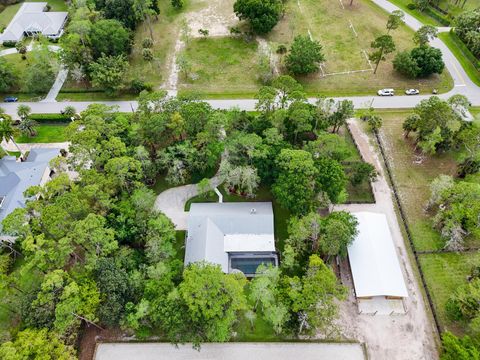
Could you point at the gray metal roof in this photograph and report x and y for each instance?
(209, 223)
(16, 177)
(32, 17)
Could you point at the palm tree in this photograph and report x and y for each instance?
(27, 126)
(8, 131)
(23, 111)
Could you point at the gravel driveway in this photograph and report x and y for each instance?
(398, 337)
(231, 351)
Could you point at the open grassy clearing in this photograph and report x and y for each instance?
(21, 69)
(165, 32)
(344, 50)
(7, 14)
(330, 24)
(46, 133)
(413, 178)
(221, 66)
(443, 274)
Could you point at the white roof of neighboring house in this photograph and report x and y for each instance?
(375, 267)
(216, 229)
(32, 17)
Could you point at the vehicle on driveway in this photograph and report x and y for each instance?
(10, 99)
(386, 92)
(412, 92)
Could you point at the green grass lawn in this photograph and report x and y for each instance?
(7, 14)
(413, 179)
(449, 5)
(46, 133)
(443, 274)
(330, 25)
(221, 65)
(165, 31)
(422, 17)
(363, 192)
(452, 42)
(21, 68)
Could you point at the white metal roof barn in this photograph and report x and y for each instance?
(373, 260)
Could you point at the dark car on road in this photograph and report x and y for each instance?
(10, 99)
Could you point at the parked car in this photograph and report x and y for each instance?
(10, 99)
(386, 92)
(412, 92)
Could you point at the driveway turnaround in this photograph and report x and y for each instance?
(230, 351)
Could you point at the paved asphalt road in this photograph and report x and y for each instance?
(462, 85)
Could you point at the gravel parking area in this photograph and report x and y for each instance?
(230, 351)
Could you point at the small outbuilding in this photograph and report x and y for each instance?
(376, 271)
(238, 236)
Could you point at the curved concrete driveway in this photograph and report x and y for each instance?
(171, 202)
(462, 85)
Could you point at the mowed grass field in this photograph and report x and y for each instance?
(224, 66)
(345, 34)
(413, 174)
(46, 133)
(165, 32)
(444, 272)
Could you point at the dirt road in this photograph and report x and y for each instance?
(399, 337)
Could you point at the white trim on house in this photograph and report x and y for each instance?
(32, 19)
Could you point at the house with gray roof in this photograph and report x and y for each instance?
(237, 236)
(32, 19)
(16, 177)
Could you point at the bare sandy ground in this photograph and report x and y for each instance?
(398, 337)
(216, 16)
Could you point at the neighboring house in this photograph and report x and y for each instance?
(16, 177)
(238, 236)
(32, 19)
(377, 275)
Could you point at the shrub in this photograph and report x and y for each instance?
(281, 49)
(147, 43)
(262, 15)
(147, 54)
(411, 6)
(177, 4)
(46, 118)
(137, 86)
(305, 56)
(9, 43)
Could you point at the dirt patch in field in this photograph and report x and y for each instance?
(216, 16)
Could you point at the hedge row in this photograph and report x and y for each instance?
(81, 91)
(45, 118)
(434, 14)
(465, 51)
